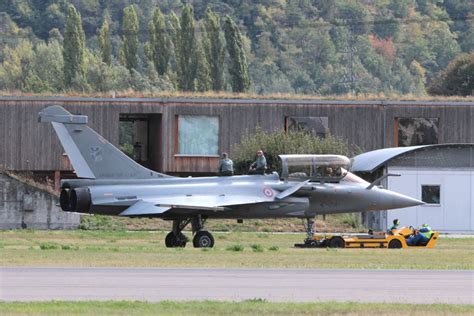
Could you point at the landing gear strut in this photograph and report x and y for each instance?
(202, 238)
(176, 238)
(309, 227)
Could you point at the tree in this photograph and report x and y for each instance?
(457, 79)
(214, 49)
(104, 42)
(159, 42)
(238, 68)
(74, 47)
(386, 27)
(49, 65)
(354, 15)
(203, 75)
(17, 66)
(130, 38)
(185, 49)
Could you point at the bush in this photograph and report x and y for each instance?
(257, 248)
(281, 142)
(236, 247)
(69, 247)
(48, 246)
(352, 220)
(274, 248)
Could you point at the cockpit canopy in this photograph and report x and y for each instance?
(322, 168)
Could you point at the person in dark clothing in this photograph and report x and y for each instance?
(259, 165)
(226, 166)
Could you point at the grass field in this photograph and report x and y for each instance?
(232, 250)
(253, 307)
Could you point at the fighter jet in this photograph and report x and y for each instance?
(111, 183)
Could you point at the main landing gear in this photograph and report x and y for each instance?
(201, 239)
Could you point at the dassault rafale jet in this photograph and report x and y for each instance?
(113, 184)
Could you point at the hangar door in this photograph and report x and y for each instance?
(449, 195)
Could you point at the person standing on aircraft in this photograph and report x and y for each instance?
(421, 236)
(226, 166)
(259, 165)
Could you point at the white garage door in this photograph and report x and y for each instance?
(449, 195)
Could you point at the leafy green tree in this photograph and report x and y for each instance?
(105, 43)
(55, 35)
(355, 15)
(386, 27)
(214, 48)
(400, 8)
(203, 76)
(443, 45)
(457, 79)
(49, 66)
(74, 47)
(130, 27)
(103, 77)
(238, 67)
(160, 45)
(17, 66)
(185, 49)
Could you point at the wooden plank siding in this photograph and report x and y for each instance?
(26, 144)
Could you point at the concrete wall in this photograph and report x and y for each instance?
(24, 206)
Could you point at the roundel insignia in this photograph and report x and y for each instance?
(268, 192)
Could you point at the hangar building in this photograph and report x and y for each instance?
(441, 175)
(184, 136)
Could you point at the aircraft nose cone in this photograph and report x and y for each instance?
(397, 200)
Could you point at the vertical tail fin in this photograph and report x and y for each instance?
(91, 155)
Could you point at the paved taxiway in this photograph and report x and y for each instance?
(153, 284)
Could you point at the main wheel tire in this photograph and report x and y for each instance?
(173, 241)
(170, 240)
(395, 244)
(337, 242)
(203, 239)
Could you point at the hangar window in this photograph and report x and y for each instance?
(430, 194)
(416, 131)
(198, 135)
(316, 125)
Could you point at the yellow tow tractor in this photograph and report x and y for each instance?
(371, 240)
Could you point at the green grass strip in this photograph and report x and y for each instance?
(250, 307)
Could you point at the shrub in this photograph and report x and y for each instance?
(48, 246)
(281, 142)
(352, 220)
(236, 247)
(69, 247)
(274, 248)
(257, 248)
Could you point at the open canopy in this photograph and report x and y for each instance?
(331, 168)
